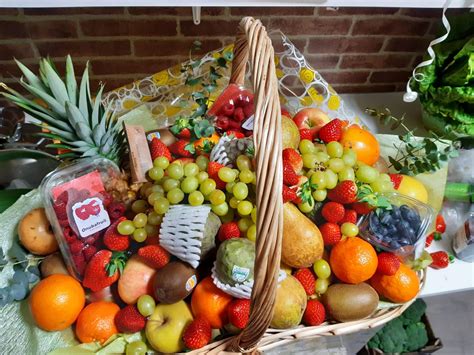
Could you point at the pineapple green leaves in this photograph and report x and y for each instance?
(81, 123)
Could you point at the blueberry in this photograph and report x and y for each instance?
(396, 213)
(392, 230)
(394, 244)
(386, 219)
(404, 241)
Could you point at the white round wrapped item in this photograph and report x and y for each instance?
(188, 232)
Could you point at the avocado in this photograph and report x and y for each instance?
(174, 282)
(350, 302)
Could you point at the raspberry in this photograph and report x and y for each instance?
(116, 210)
(89, 252)
(76, 247)
(79, 262)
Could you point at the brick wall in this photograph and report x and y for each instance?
(356, 49)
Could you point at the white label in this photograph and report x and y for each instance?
(192, 281)
(90, 216)
(248, 124)
(240, 274)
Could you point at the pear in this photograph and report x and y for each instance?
(290, 304)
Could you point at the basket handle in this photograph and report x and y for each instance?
(254, 46)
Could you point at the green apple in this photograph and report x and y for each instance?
(165, 327)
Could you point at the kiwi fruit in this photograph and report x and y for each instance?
(350, 302)
(174, 282)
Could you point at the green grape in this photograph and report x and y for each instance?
(244, 208)
(381, 186)
(144, 188)
(201, 176)
(384, 177)
(217, 197)
(175, 196)
(246, 176)
(322, 269)
(170, 184)
(220, 210)
(146, 305)
(253, 215)
(136, 348)
(309, 160)
(156, 173)
(157, 188)
(367, 174)
(321, 286)
(175, 171)
(229, 187)
(161, 205)
(252, 233)
(126, 227)
(306, 147)
(196, 198)
(334, 149)
(228, 217)
(331, 179)
(189, 184)
(191, 169)
(336, 164)
(140, 220)
(244, 224)
(346, 173)
(240, 191)
(233, 202)
(349, 159)
(202, 162)
(207, 186)
(320, 195)
(152, 231)
(226, 174)
(306, 207)
(140, 235)
(319, 179)
(154, 218)
(139, 206)
(244, 163)
(153, 197)
(349, 229)
(309, 173)
(322, 157)
(161, 162)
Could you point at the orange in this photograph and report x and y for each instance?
(96, 322)
(56, 301)
(362, 142)
(398, 288)
(210, 302)
(353, 260)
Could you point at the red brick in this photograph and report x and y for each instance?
(52, 29)
(158, 27)
(172, 47)
(8, 11)
(389, 76)
(175, 11)
(209, 28)
(275, 11)
(75, 11)
(131, 66)
(344, 45)
(84, 48)
(377, 61)
(403, 44)
(311, 25)
(366, 88)
(344, 77)
(421, 12)
(327, 11)
(16, 50)
(390, 26)
(12, 29)
(323, 61)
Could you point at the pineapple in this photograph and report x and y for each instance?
(80, 124)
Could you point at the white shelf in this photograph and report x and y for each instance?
(249, 3)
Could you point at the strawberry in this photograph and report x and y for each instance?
(306, 133)
(350, 216)
(441, 259)
(152, 240)
(213, 171)
(159, 149)
(314, 313)
(429, 240)
(178, 149)
(396, 180)
(289, 194)
(388, 264)
(129, 320)
(197, 334)
(331, 233)
(103, 269)
(333, 212)
(236, 134)
(113, 240)
(238, 312)
(184, 134)
(294, 158)
(154, 255)
(228, 230)
(331, 131)
(290, 177)
(306, 279)
(440, 224)
(344, 192)
(362, 207)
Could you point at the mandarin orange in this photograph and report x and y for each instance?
(398, 288)
(96, 322)
(362, 142)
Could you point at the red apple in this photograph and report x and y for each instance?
(311, 118)
(136, 280)
(284, 112)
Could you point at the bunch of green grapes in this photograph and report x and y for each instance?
(323, 272)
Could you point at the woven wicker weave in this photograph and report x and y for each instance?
(253, 46)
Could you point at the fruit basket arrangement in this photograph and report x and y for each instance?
(236, 228)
